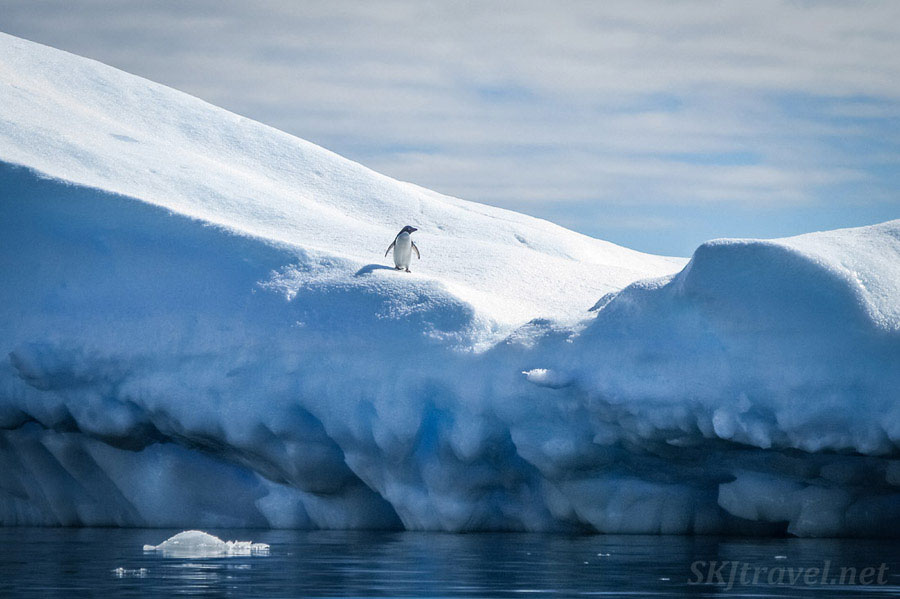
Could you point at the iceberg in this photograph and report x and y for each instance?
(197, 330)
(199, 544)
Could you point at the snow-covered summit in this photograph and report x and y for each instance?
(198, 329)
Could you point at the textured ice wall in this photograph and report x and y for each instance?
(162, 372)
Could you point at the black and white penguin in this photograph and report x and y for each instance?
(403, 248)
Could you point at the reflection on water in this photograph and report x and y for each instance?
(68, 562)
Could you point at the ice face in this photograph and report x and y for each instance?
(198, 544)
(159, 371)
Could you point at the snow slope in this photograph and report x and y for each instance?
(86, 123)
(198, 329)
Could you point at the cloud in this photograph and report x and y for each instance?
(543, 107)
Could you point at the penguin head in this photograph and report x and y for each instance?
(408, 229)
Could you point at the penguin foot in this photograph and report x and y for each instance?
(408, 270)
(397, 268)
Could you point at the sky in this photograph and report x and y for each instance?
(653, 124)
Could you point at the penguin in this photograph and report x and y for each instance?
(403, 248)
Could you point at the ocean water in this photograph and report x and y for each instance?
(37, 562)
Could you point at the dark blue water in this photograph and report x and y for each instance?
(111, 563)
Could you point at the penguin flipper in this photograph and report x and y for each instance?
(415, 249)
(390, 247)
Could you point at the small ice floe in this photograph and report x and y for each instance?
(196, 543)
(121, 572)
(780, 557)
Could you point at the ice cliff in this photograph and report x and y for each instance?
(198, 329)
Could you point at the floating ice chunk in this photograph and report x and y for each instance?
(121, 572)
(196, 543)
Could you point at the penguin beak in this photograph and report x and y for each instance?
(413, 229)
